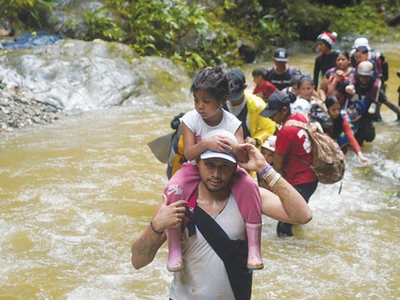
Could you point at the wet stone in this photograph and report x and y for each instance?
(17, 111)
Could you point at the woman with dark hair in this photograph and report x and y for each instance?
(337, 78)
(341, 129)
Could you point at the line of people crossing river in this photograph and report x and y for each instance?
(238, 153)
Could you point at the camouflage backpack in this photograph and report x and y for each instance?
(328, 160)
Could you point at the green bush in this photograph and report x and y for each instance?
(102, 27)
(174, 30)
(359, 19)
(27, 13)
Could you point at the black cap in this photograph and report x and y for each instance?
(237, 83)
(281, 54)
(276, 102)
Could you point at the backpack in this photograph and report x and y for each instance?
(328, 160)
(382, 65)
(176, 153)
(168, 149)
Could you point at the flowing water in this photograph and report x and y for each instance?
(74, 194)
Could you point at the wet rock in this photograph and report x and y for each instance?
(39, 85)
(19, 112)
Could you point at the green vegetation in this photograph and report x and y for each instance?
(358, 19)
(30, 12)
(195, 36)
(102, 27)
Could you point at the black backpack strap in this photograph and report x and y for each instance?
(268, 72)
(232, 252)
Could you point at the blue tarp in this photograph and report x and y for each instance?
(28, 40)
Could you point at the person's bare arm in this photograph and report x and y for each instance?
(194, 146)
(192, 150)
(332, 86)
(323, 88)
(285, 204)
(236, 149)
(239, 135)
(145, 247)
(278, 163)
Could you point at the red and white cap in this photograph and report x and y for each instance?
(328, 38)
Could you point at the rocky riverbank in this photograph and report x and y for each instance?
(17, 111)
(38, 85)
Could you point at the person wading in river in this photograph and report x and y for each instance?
(365, 89)
(292, 149)
(326, 58)
(212, 268)
(282, 73)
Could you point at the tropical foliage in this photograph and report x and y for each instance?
(195, 36)
(32, 12)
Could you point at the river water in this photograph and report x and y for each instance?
(74, 194)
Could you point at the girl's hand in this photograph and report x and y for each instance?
(339, 75)
(219, 143)
(250, 140)
(365, 161)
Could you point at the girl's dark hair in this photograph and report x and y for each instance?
(212, 80)
(345, 54)
(304, 78)
(338, 122)
(362, 49)
(260, 72)
(330, 100)
(295, 78)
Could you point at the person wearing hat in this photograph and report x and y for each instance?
(292, 149)
(247, 107)
(367, 87)
(211, 88)
(376, 56)
(326, 57)
(213, 231)
(282, 73)
(362, 53)
(268, 149)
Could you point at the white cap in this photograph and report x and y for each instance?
(213, 154)
(362, 41)
(269, 143)
(365, 68)
(301, 105)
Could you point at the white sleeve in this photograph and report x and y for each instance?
(190, 120)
